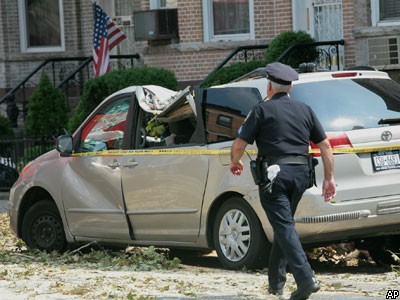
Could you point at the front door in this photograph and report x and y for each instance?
(164, 192)
(91, 189)
(323, 20)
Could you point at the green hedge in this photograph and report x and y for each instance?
(97, 89)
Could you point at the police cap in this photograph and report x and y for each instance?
(280, 73)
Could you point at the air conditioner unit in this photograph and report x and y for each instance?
(156, 24)
(123, 20)
(383, 51)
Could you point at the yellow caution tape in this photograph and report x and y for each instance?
(181, 151)
(161, 152)
(343, 150)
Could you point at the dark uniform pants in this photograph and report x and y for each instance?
(280, 205)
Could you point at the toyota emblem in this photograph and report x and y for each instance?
(386, 136)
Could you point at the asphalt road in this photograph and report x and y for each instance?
(349, 283)
(356, 283)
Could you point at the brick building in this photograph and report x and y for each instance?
(207, 30)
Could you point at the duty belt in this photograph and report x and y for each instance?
(287, 159)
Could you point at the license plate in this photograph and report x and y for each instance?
(385, 160)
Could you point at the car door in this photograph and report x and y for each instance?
(91, 188)
(164, 192)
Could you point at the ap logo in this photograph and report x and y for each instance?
(392, 294)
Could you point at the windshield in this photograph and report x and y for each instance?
(351, 104)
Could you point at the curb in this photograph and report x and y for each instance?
(3, 201)
(4, 195)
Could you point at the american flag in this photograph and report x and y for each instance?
(106, 35)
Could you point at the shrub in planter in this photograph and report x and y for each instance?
(97, 89)
(286, 39)
(47, 110)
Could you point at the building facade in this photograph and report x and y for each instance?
(198, 36)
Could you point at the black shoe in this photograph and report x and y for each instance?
(278, 292)
(304, 292)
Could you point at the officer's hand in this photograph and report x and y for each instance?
(328, 190)
(236, 167)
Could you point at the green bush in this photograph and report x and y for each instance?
(97, 89)
(5, 127)
(286, 39)
(47, 110)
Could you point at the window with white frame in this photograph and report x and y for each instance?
(228, 20)
(41, 25)
(154, 4)
(385, 12)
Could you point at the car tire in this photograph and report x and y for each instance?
(42, 228)
(239, 239)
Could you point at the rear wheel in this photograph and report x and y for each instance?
(239, 239)
(42, 227)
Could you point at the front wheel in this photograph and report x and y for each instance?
(42, 228)
(239, 239)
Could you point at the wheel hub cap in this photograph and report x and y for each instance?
(234, 235)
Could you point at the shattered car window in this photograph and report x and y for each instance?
(106, 129)
(172, 126)
(155, 132)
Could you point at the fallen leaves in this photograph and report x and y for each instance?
(343, 254)
(91, 255)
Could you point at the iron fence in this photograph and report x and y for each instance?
(67, 73)
(15, 153)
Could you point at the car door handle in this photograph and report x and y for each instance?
(130, 163)
(114, 164)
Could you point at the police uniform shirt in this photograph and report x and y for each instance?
(282, 126)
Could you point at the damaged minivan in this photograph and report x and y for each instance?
(149, 166)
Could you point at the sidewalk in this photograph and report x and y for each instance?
(3, 201)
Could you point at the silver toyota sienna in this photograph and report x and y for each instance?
(149, 166)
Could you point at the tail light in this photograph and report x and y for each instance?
(347, 74)
(336, 139)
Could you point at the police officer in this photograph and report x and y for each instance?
(282, 128)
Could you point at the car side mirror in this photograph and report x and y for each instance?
(64, 144)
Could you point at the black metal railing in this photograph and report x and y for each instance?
(327, 55)
(15, 153)
(67, 73)
(240, 54)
